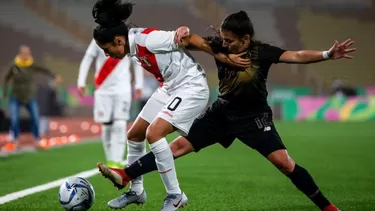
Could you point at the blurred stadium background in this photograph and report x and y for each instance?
(59, 31)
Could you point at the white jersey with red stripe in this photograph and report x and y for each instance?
(157, 52)
(184, 92)
(110, 78)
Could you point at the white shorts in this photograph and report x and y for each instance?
(109, 107)
(179, 108)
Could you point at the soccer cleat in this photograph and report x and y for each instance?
(331, 207)
(129, 197)
(174, 201)
(117, 176)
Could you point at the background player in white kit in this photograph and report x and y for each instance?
(182, 97)
(112, 97)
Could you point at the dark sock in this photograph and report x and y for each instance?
(142, 166)
(305, 183)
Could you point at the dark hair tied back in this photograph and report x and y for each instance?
(111, 13)
(239, 24)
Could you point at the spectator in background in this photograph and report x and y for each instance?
(150, 84)
(339, 89)
(21, 75)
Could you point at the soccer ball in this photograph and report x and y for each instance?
(76, 194)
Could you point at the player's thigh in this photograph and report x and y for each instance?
(103, 108)
(121, 110)
(137, 131)
(154, 105)
(210, 128)
(183, 108)
(259, 133)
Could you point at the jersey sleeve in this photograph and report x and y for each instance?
(270, 53)
(84, 67)
(161, 42)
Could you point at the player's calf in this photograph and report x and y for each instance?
(117, 141)
(301, 178)
(118, 177)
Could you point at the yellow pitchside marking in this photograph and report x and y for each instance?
(347, 109)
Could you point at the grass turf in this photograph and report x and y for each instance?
(338, 155)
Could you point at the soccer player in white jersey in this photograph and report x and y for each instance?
(112, 98)
(182, 96)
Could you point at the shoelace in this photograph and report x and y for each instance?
(128, 193)
(169, 198)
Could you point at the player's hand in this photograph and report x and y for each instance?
(138, 94)
(341, 50)
(81, 91)
(237, 61)
(181, 33)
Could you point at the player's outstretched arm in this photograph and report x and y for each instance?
(196, 42)
(337, 51)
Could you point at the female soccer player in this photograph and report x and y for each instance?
(241, 110)
(182, 97)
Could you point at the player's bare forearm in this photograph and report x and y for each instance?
(337, 51)
(197, 43)
(302, 57)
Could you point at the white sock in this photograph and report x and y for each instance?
(118, 141)
(165, 163)
(106, 140)
(135, 151)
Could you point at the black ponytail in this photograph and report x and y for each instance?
(111, 17)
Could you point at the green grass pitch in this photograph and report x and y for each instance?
(340, 156)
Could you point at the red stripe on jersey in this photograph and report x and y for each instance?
(108, 66)
(148, 59)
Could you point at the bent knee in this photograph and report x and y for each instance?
(281, 160)
(155, 132)
(152, 134)
(286, 167)
(136, 135)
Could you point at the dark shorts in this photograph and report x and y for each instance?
(222, 125)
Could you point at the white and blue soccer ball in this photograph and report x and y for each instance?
(76, 194)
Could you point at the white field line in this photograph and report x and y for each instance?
(44, 187)
(40, 188)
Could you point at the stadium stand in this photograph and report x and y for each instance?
(68, 25)
(14, 14)
(320, 30)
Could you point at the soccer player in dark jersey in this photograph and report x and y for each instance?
(241, 110)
